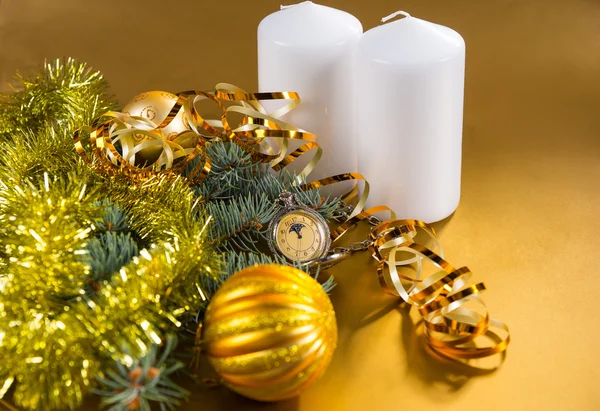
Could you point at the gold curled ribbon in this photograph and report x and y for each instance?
(453, 329)
(457, 324)
(111, 149)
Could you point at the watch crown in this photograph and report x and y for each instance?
(287, 199)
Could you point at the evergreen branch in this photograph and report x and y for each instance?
(231, 169)
(248, 225)
(143, 381)
(115, 218)
(108, 253)
(238, 224)
(241, 196)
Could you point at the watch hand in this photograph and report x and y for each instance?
(297, 228)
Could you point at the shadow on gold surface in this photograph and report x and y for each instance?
(221, 398)
(441, 225)
(431, 368)
(218, 397)
(421, 362)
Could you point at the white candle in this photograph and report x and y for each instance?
(307, 48)
(409, 87)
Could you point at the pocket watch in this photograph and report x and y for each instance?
(298, 233)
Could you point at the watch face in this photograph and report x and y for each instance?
(301, 236)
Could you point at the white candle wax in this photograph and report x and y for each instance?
(409, 86)
(307, 48)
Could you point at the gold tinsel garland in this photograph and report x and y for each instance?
(66, 94)
(43, 231)
(54, 338)
(51, 333)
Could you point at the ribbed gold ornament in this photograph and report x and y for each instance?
(270, 331)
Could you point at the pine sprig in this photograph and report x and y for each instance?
(231, 169)
(113, 247)
(240, 224)
(234, 175)
(108, 253)
(237, 261)
(115, 218)
(143, 381)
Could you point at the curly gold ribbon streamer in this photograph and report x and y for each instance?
(452, 330)
(116, 128)
(340, 178)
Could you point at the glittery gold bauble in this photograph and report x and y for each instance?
(270, 331)
(155, 106)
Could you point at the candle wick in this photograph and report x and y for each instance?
(282, 7)
(398, 13)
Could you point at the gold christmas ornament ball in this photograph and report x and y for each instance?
(270, 331)
(155, 106)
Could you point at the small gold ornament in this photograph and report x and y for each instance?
(155, 106)
(270, 331)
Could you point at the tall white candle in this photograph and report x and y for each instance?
(409, 87)
(307, 48)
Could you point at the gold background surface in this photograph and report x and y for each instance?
(527, 223)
